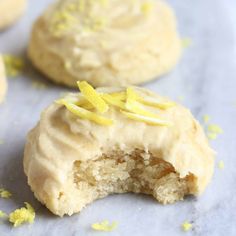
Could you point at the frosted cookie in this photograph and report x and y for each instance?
(3, 82)
(105, 42)
(115, 140)
(10, 11)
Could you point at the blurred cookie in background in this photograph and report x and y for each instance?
(10, 11)
(107, 43)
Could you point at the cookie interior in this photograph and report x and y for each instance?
(136, 171)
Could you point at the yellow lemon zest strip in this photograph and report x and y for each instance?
(136, 108)
(113, 101)
(132, 95)
(3, 214)
(78, 102)
(22, 215)
(4, 193)
(186, 226)
(121, 95)
(148, 120)
(154, 103)
(104, 226)
(133, 106)
(92, 96)
(86, 114)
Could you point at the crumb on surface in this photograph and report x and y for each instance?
(186, 226)
(22, 215)
(5, 193)
(105, 226)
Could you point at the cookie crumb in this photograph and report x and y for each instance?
(105, 226)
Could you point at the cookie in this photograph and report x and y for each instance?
(115, 140)
(3, 82)
(10, 11)
(107, 43)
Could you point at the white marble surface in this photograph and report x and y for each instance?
(205, 77)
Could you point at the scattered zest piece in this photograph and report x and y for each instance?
(148, 120)
(186, 226)
(212, 136)
(206, 118)
(215, 129)
(92, 96)
(39, 85)
(4, 193)
(86, 114)
(3, 214)
(186, 42)
(221, 165)
(14, 65)
(105, 226)
(22, 215)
